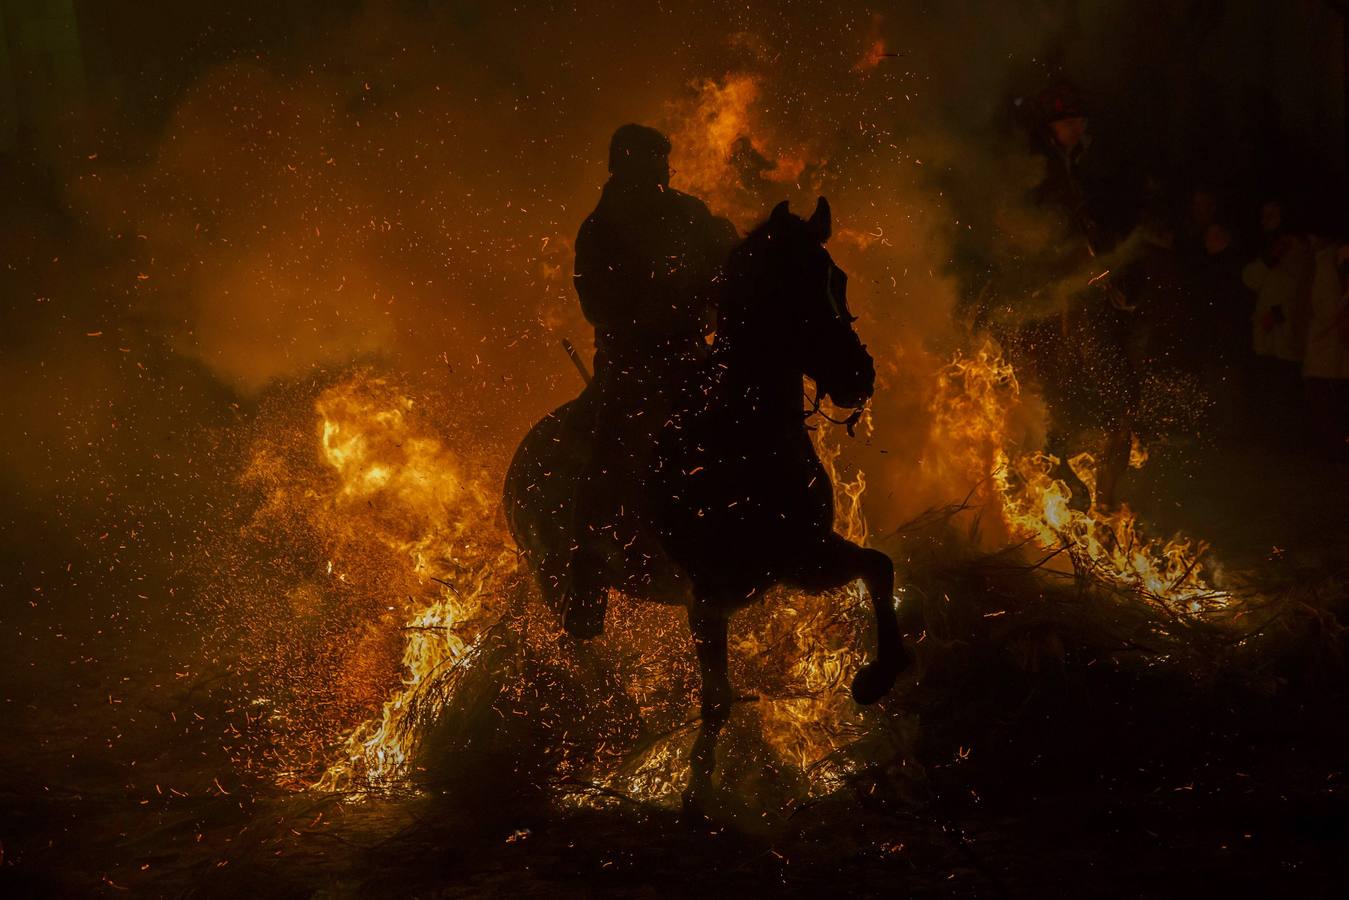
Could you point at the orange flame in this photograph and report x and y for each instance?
(444, 528)
(972, 408)
(875, 50)
(725, 153)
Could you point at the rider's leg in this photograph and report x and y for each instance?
(709, 640)
(584, 596)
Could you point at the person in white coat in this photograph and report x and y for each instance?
(1278, 276)
(1325, 364)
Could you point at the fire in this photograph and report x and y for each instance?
(1105, 543)
(725, 153)
(850, 520)
(973, 406)
(380, 752)
(702, 149)
(875, 49)
(1138, 454)
(800, 650)
(875, 52)
(971, 415)
(397, 481)
(400, 484)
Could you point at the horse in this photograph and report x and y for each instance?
(736, 500)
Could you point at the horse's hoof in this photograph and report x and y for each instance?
(584, 620)
(692, 812)
(583, 629)
(872, 682)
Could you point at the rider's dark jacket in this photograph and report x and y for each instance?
(647, 267)
(647, 260)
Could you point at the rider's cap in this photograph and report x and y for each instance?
(633, 147)
(1062, 101)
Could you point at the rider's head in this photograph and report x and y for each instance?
(639, 155)
(1063, 116)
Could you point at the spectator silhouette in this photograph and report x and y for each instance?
(1279, 276)
(1325, 365)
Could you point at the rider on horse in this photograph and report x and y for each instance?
(648, 264)
(731, 495)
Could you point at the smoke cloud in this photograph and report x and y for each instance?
(401, 189)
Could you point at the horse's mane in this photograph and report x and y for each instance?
(745, 265)
(746, 261)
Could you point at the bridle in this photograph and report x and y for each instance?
(843, 315)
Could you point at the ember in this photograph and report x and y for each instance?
(311, 595)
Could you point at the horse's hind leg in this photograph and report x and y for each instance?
(709, 640)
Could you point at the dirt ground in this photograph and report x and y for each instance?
(1109, 783)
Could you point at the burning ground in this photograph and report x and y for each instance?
(364, 688)
(267, 632)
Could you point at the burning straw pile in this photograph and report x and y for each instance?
(1009, 595)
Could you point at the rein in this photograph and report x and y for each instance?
(850, 423)
(841, 312)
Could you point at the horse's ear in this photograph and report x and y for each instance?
(780, 212)
(821, 221)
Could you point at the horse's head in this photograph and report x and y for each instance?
(797, 306)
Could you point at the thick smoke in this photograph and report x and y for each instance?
(403, 189)
(404, 184)
(414, 184)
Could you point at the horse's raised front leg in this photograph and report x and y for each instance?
(843, 562)
(874, 680)
(709, 640)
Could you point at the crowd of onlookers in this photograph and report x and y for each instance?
(1259, 312)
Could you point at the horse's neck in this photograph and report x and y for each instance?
(758, 378)
(755, 379)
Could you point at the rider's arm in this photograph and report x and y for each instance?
(723, 237)
(606, 280)
(626, 292)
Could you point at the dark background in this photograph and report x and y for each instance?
(145, 139)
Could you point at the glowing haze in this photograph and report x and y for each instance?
(362, 248)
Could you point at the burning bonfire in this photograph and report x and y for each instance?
(371, 441)
(975, 399)
(404, 511)
(400, 516)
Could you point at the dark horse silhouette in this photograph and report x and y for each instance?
(736, 500)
